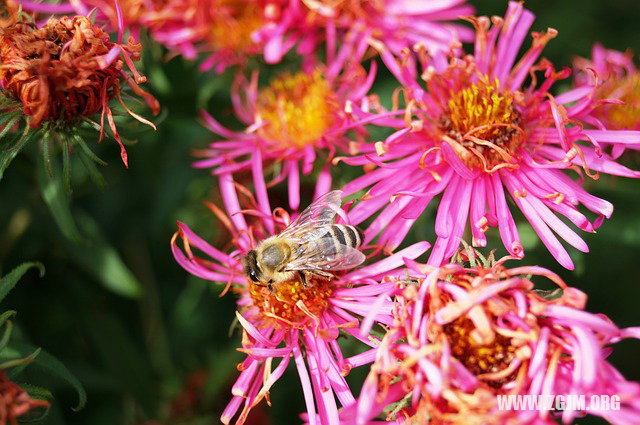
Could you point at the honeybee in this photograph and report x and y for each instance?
(311, 245)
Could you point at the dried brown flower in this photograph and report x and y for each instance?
(68, 69)
(14, 401)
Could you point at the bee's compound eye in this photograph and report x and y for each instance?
(252, 275)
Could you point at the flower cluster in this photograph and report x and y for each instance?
(66, 70)
(479, 130)
(460, 337)
(475, 133)
(230, 31)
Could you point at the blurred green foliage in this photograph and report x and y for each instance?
(151, 343)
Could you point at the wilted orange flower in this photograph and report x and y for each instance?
(14, 401)
(8, 13)
(68, 69)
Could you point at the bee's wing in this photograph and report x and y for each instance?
(316, 252)
(325, 254)
(311, 223)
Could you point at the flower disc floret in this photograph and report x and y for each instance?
(482, 124)
(479, 357)
(233, 23)
(297, 109)
(626, 89)
(291, 302)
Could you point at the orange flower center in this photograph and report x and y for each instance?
(477, 358)
(292, 302)
(626, 89)
(233, 23)
(298, 109)
(482, 125)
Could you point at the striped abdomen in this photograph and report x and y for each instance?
(338, 236)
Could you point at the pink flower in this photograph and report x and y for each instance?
(231, 31)
(297, 121)
(399, 24)
(282, 325)
(477, 130)
(219, 28)
(461, 337)
(618, 92)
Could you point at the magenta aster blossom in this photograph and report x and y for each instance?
(282, 325)
(220, 29)
(460, 337)
(477, 130)
(298, 120)
(398, 24)
(618, 81)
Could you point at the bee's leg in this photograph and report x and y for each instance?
(270, 286)
(324, 274)
(303, 278)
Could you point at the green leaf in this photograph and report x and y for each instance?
(89, 153)
(57, 199)
(10, 151)
(6, 316)
(92, 170)
(22, 362)
(9, 281)
(37, 393)
(66, 165)
(45, 361)
(57, 368)
(100, 259)
(159, 80)
(8, 125)
(45, 152)
(7, 332)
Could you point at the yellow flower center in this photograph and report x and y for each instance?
(298, 109)
(479, 359)
(626, 89)
(482, 125)
(291, 302)
(234, 22)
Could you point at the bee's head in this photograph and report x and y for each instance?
(250, 265)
